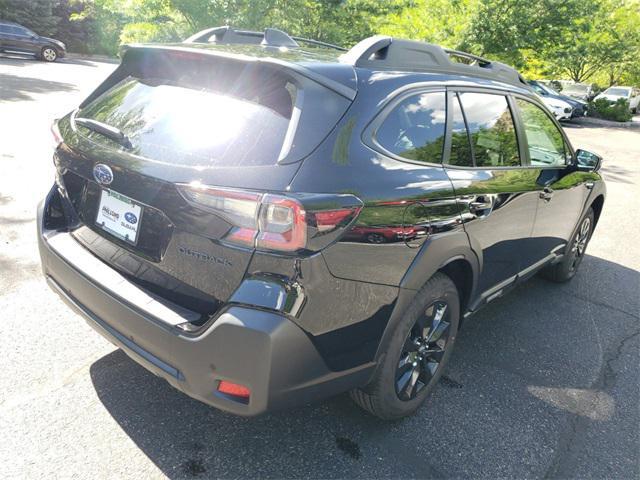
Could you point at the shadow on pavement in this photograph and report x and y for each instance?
(618, 174)
(504, 394)
(17, 60)
(88, 62)
(16, 88)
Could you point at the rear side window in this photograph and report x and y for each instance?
(415, 128)
(461, 154)
(491, 129)
(545, 142)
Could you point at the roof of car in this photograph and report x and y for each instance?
(335, 67)
(375, 53)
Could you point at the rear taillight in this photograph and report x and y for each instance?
(267, 221)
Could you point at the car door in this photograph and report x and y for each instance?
(562, 189)
(23, 40)
(634, 101)
(4, 33)
(497, 197)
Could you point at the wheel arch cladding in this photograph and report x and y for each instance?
(597, 205)
(461, 273)
(450, 253)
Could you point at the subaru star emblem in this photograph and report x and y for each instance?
(103, 174)
(130, 217)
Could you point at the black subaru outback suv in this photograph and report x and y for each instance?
(264, 221)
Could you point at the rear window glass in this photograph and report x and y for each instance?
(414, 129)
(189, 109)
(197, 127)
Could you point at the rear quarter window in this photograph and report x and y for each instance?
(414, 129)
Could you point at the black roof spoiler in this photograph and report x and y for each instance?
(342, 88)
(387, 53)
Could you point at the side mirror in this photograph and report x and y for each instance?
(588, 161)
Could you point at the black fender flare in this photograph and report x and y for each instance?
(436, 253)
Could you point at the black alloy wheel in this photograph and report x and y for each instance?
(423, 351)
(580, 242)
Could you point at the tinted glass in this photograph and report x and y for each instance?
(19, 31)
(414, 129)
(539, 90)
(546, 145)
(176, 124)
(622, 92)
(491, 128)
(460, 146)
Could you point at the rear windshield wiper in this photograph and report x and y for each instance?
(108, 131)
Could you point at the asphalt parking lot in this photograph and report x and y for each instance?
(543, 383)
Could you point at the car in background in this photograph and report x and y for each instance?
(15, 38)
(630, 94)
(556, 101)
(579, 91)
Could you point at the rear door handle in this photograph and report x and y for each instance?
(481, 206)
(589, 185)
(546, 194)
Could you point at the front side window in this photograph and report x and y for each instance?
(491, 128)
(414, 129)
(20, 31)
(545, 142)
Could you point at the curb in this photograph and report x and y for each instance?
(598, 122)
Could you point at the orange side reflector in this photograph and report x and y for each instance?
(234, 389)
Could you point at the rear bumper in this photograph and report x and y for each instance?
(262, 350)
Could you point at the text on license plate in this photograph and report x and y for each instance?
(119, 215)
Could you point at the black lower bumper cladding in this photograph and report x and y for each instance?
(261, 350)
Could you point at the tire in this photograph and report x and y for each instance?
(566, 269)
(382, 397)
(376, 238)
(49, 54)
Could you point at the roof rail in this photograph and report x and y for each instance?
(387, 53)
(271, 37)
(319, 43)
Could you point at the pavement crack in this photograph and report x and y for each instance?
(602, 304)
(578, 424)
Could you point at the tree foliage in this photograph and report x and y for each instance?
(584, 40)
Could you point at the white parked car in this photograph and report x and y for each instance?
(630, 94)
(561, 109)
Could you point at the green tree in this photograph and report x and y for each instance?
(444, 22)
(603, 36)
(34, 14)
